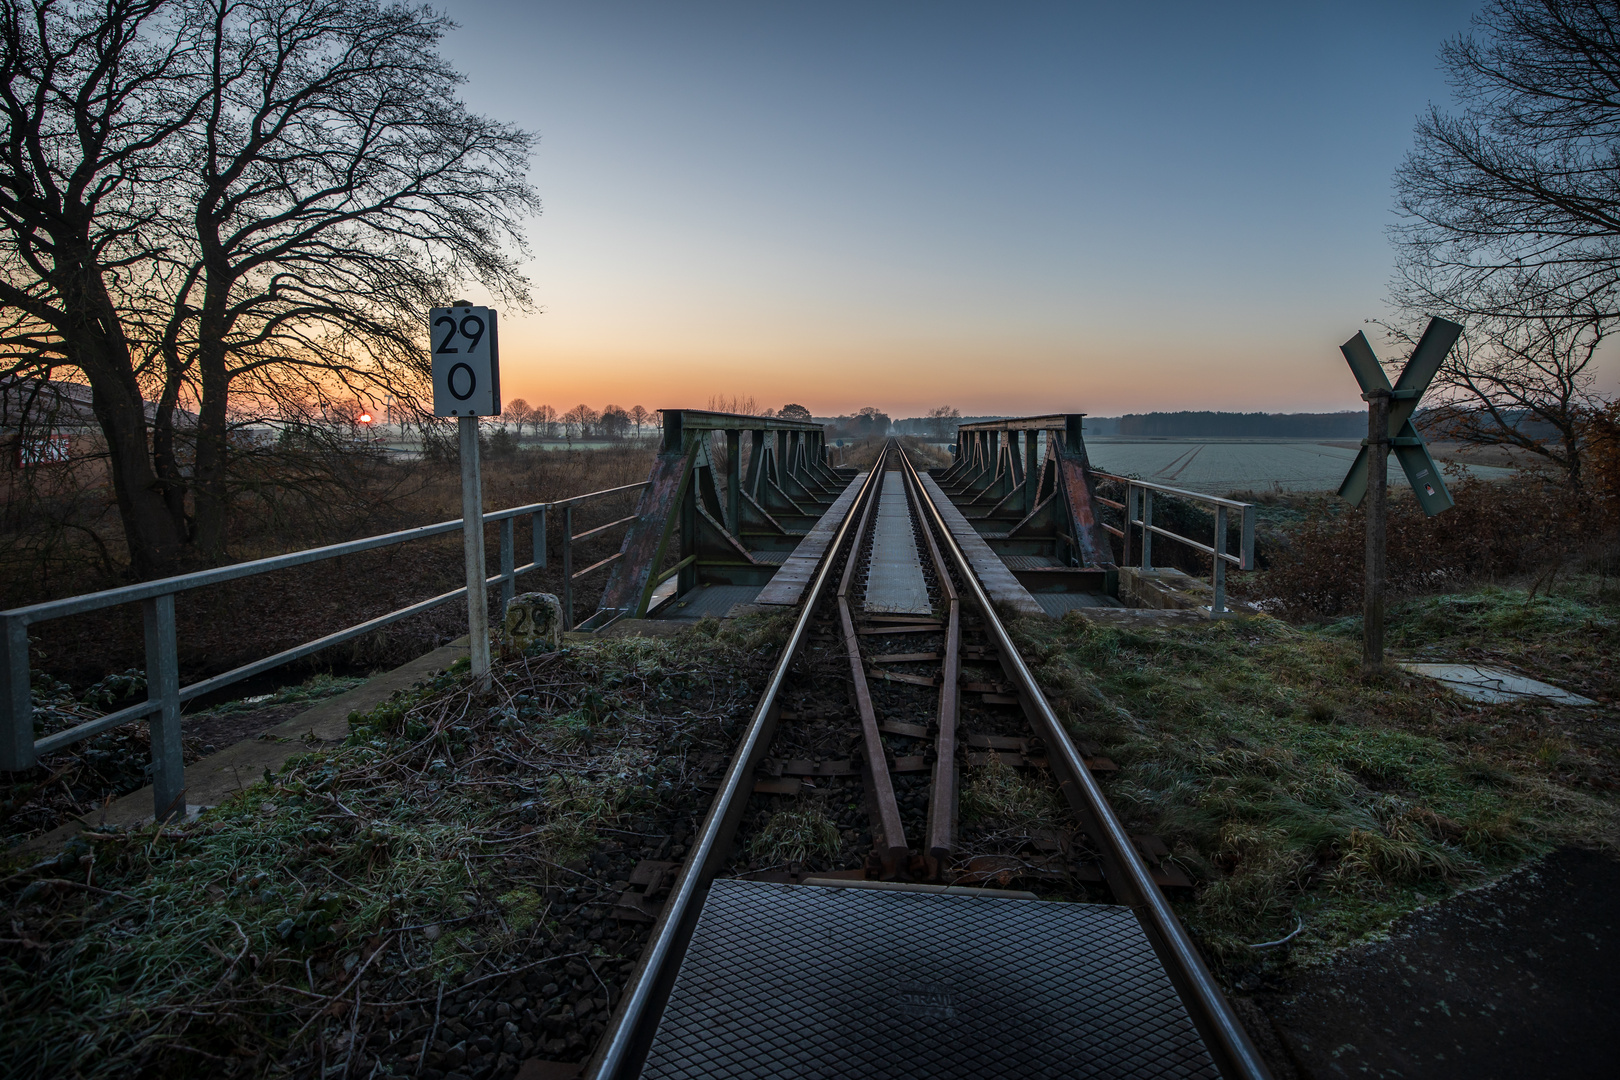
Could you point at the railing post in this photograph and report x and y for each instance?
(1130, 513)
(17, 741)
(163, 689)
(1147, 530)
(508, 564)
(1219, 606)
(568, 567)
(537, 527)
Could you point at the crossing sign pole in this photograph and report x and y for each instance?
(1390, 428)
(467, 385)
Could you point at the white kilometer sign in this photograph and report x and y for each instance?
(466, 361)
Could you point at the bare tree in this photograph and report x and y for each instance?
(578, 421)
(615, 421)
(744, 405)
(1520, 381)
(1512, 220)
(545, 417)
(518, 412)
(639, 416)
(92, 99)
(272, 194)
(941, 421)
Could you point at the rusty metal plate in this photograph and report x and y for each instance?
(810, 982)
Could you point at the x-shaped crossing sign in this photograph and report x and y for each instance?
(1407, 444)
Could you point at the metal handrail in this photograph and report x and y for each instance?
(1141, 492)
(19, 749)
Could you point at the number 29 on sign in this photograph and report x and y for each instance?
(466, 361)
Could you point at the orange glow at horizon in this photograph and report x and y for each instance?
(907, 378)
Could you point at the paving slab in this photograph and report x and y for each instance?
(1493, 684)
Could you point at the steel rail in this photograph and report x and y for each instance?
(942, 794)
(877, 763)
(680, 911)
(1225, 1037)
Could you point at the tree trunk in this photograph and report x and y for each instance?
(93, 341)
(210, 494)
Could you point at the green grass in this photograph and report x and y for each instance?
(228, 946)
(1289, 789)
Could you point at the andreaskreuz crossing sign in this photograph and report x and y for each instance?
(1405, 442)
(466, 361)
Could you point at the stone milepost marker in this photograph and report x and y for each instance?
(1389, 427)
(467, 385)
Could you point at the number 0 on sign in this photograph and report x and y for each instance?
(466, 361)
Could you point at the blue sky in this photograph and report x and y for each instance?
(1018, 207)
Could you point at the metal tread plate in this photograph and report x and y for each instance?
(808, 981)
(1055, 604)
(894, 583)
(714, 600)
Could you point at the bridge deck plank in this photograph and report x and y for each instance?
(1004, 589)
(787, 585)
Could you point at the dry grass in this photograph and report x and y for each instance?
(924, 455)
(227, 625)
(796, 835)
(1496, 532)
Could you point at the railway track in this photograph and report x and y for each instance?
(902, 747)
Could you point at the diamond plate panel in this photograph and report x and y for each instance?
(803, 981)
(894, 580)
(1056, 603)
(713, 600)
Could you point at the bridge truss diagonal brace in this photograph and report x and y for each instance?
(1079, 491)
(686, 504)
(630, 582)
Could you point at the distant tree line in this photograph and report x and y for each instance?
(579, 422)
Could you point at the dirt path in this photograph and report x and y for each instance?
(1518, 979)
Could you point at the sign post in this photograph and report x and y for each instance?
(467, 385)
(1389, 427)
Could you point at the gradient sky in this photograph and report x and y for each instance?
(1008, 208)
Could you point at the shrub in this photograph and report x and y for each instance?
(1496, 530)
